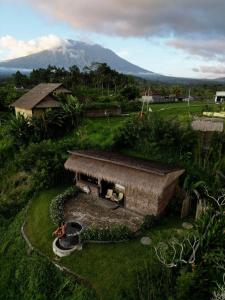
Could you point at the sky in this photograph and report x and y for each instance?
(184, 38)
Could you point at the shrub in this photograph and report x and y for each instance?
(57, 204)
(149, 222)
(116, 233)
(151, 281)
(101, 105)
(131, 106)
(112, 99)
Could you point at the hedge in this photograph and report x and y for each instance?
(57, 204)
(115, 233)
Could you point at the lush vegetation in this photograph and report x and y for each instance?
(153, 137)
(111, 268)
(114, 233)
(32, 156)
(26, 276)
(58, 202)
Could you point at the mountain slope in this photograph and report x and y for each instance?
(82, 54)
(75, 53)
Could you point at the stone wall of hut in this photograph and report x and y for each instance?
(141, 202)
(166, 197)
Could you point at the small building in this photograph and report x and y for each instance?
(146, 187)
(220, 97)
(154, 98)
(38, 99)
(157, 98)
(102, 110)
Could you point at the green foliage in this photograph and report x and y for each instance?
(20, 129)
(109, 99)
(210, 227)
(115, 233)
(131, 106)
(26, 277)
(152, 282)
(72, 110)
(130, 92)
(51, 124)
(44, 172)
(154, 135)
(58, 203)
(8, 94)
(149, 222)
(101, 105)
(171, 142)
(185, 285)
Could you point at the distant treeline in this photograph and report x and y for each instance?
(96, 81)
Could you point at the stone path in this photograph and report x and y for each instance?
(145, 240)
(187, 225)
(95, 212)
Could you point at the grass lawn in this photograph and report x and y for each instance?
(110, 268)
(181, 110)
(99, 132)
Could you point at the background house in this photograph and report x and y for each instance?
(220, 97)
(38, 99)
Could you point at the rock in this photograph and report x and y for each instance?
(187, 225)
(145, 240)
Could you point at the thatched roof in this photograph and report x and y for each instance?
(132, 172)
(208, 124)
(36, 95)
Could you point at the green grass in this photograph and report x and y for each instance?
(99, 132)
(181, 110)
(110, 268)
(40, 225)
(26, 277)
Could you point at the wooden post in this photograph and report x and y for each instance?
(185, 207)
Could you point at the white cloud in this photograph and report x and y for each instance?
(210, 70)
(16, 48)
(139, 17)
(212, 49)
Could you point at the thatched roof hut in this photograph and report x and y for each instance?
(148, 185)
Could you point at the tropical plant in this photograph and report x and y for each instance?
(114, 233)
(57, 204)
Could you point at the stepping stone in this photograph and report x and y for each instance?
(145, 240)
(187, 225)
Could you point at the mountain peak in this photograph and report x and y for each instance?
(79, 53)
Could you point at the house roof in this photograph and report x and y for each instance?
(135, 173)
(36, 95)
(127, 161)
(208, 124)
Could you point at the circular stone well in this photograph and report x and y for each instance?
(70, 242)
